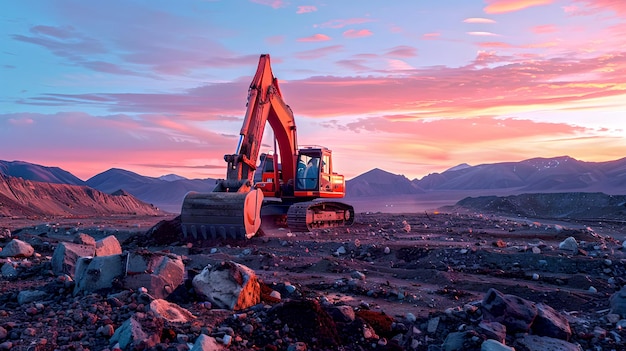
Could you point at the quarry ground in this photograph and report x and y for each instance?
(420, 263)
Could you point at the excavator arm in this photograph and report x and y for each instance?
(232, 209)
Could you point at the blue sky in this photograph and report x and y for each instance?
(412, 87)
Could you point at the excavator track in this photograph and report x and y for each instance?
(305, 216)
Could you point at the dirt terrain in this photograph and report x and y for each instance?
(410, 267)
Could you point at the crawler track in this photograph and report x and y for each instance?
(305, 216)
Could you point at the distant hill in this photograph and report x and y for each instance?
(380, 183)
(166, 193)
(26, 198)
(570, 205)
(38, 173)
(376, 188)
(533, 176)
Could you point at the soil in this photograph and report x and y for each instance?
(394, 265)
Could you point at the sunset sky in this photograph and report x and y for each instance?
(411, 87)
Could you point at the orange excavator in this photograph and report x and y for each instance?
(293, 190)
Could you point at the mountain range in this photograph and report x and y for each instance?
(371, 190)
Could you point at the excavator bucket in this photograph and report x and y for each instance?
(221, 215)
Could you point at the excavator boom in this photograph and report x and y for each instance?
(233, 208)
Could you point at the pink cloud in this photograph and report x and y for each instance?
(495, 44)
(275, 40)
(319, 52)
(595, 6)
(353, 33)
(340, 23)
(315, 38)
(402, 51)
(275, 4)
(479, 20)
(504, 6)
(431, 36)
(546, 28)
(306, 9)
(483, 34)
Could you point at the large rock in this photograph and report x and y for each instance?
(67, 254)
(207, 343)
(550, 323)
(108, 246)
(512, 311)
(17, 248)
(161, 273)
(543, 343)
(95, 273)
(28, 296)
(618, 302)
(228, 285)
(171, 312)
(493, 345)
(132, 335)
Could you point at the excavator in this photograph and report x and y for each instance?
(291, 185)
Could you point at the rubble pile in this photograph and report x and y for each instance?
(407, 283)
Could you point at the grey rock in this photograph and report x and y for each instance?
(5, 233)
(515, 313)
(84, 239)
(66, 256)
(95, 273)
(28, 296)
(17, 248)
(131, 333)
(618, 302)
(493, 345)
(228, 285)
(550, 323)
(206, 343)
(342, 313)
(493, 330)
(108, 246)
(544, 343)
(569, 244)
(8, 270)
(160, 273)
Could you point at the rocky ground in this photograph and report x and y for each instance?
(416, 281)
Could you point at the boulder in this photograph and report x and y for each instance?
(5, 234)
(132, 335)
(160, 273)
(493, 330)
(543, 343)
(100, 272)
(170, 312)
(569, 244)
(28, 296)
(206, 343)
(512, 311)
(493, 345)
(618, 302)
(108, 246)
(550, 323)
(17, 248)
(228, 285)
(461, 341)
(84, 239)
(8, 270)
(67, 254)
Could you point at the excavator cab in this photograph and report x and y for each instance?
(314, 174)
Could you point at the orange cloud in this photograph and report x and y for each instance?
(315, 38)
(353, 33)
(504, 6)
